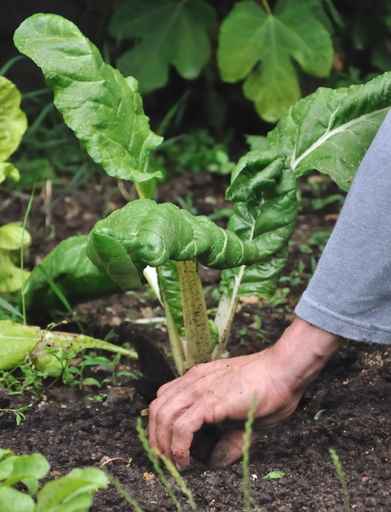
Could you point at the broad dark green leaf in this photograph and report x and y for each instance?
(103, 108)
(249, 36)
(180, 37)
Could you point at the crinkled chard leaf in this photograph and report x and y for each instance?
(331, 130)
(250, 36)
(152, 234)
(103, 108)
(180, 37)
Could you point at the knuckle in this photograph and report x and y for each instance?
(162, 389)
(163, 416)
(153, 407)
(180, 428)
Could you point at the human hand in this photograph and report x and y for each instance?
(226, 389)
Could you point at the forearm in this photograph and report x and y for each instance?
(350, 292)
(304, 349)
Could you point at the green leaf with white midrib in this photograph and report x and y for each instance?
(102, 107)
(331, 130)
(296, 161)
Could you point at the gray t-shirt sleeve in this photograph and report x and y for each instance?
(350, 291)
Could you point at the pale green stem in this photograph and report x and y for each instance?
(195, 316)
(22, 249)
(78, 342)
(266, 6)
(225, 315)
(175, 341)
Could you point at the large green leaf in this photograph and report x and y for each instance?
(102, 107)
(73, 492)
(249, 36)
(13, 122)
(68, 272)
(180, 37)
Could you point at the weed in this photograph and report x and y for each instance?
(342, 478)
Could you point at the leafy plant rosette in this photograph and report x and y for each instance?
(73, 492)
(328, 131)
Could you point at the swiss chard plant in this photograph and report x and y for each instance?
(162, 244)
(20, 489)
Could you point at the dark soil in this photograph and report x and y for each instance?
(347, 408)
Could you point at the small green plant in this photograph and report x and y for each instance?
(18, 413)
(341, 475)
(196, 152)
(20, 489)
(248, 503)
(14, 239)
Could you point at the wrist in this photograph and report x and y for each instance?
(303, 350)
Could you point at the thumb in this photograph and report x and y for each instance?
(228, 449)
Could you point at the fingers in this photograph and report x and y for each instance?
(162, 413)
(192, 375)
(229, 449)
(183, 431)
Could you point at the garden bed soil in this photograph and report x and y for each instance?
(348, 408)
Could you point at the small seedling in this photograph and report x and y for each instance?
(341, 475)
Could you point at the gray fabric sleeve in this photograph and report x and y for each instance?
(350, 291)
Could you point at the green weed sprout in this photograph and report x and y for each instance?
(342, 478)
